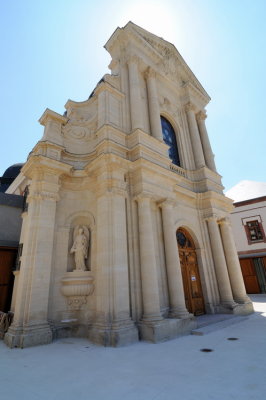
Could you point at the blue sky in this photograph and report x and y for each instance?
(53, 50)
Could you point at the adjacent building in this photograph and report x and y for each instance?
(249, 226)
(11, 206)
(126, 232)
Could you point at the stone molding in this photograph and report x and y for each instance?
(43, 195)
(50, 115)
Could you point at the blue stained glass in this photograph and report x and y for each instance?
(170, 139)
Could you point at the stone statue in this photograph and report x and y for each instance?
(81, 237)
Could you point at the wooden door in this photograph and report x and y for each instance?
(7, 262)
(190, 273)
(249, 275)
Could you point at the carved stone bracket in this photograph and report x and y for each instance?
(77, 286)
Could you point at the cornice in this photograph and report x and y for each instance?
(191, 91)
(78, 104)
(16, 183)
(50, 115)
(106, 86)
(45, 164)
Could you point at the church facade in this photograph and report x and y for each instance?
(125, 233)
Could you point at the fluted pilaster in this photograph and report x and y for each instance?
(154, 109)
(208, 154)
(195, 137)
(173, 268)
(220, 263)
(135, 95)
(233, 265)
(149, 279)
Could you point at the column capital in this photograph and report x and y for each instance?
(145, 195)
(133, 59)
(150, 73)
(166, 203)
(201, 116)
(190, 107)
(43, 195)
(141, 197)
(212, 217)
(224, 221)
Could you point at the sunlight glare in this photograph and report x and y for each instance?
(154, 16)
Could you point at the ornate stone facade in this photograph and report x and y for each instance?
(103, 168)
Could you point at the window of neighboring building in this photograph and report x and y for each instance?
(170, 139)
(254, 231)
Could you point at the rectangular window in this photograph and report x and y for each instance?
(254, 232)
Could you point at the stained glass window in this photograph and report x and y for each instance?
(170, 139)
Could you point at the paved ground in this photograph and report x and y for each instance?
(75, 369)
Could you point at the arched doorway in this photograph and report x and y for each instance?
(190, 273)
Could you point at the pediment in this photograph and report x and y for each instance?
(164, 52)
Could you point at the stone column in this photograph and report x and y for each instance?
(222, 277)
(30, 326)
(120, 260)
(154, 109)
(234, 269)
(208, 154)
(113, 325)
(149, 279)
(174, 274)
(195, 137)
(134, 94)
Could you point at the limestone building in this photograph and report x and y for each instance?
(126, 232)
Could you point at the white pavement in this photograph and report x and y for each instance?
(76, 369)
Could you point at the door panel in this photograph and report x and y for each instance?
(7, 261)
(190, 273)
(249, 275)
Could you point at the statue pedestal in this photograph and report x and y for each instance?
(76, 286)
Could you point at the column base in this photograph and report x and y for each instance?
(235, 308)
(112, 335)
(242, 300)
(244, 308)
(182, 314)
(27, 336)
(166, 329)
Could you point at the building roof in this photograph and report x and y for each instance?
(13, 170)
(247, 190)
(9, 176)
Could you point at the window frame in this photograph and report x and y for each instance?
(258, 229)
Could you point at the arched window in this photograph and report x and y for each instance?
(170, 139)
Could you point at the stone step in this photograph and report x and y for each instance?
(212, 326)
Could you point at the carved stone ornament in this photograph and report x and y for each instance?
(77, 286)
(201, 116)
(84, 131)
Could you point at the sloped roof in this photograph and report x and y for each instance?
(247, 190)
